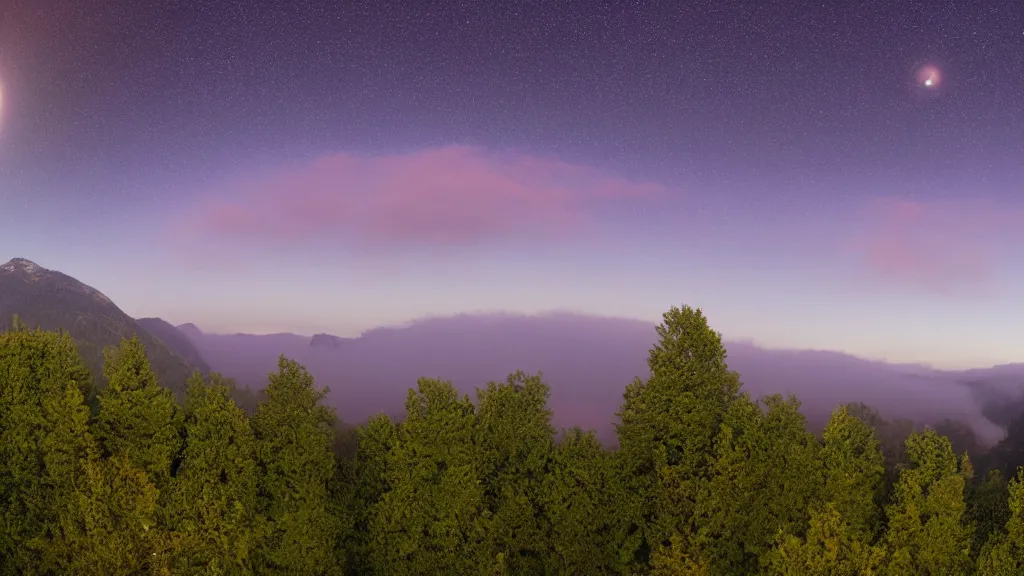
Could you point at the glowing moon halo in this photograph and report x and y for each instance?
(929, 76)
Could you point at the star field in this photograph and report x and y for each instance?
(775, 131)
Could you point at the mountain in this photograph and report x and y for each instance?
(190, 330)
(51, 300)
(328, 341)
(176, 340)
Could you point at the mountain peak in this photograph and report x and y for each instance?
(190, 330)
(324, 341)
(22, 265)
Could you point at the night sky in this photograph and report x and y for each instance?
(837, 175)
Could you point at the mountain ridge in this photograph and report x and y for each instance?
(51, 300)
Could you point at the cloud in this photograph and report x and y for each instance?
(940, 246)
(451, 195)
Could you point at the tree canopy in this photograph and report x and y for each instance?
(704, 480)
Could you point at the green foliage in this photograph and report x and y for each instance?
(854, 468)
(109, 526)
(514, 443)
(433, 518)
(44, 438)
(294, 436)
(668, 428)
(832, 547)
(927, 533)
(138, 419)
(987, 508)
(214, 511)
(377, 440)
(580, 499)
(767, 475)
(681, 557)
(1003, 555)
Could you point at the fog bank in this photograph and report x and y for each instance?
(588, 361)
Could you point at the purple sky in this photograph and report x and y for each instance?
(815, 175)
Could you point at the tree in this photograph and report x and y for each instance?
(767, 476)
(44, 440)
(515, 439)
(433, 518)
(580, 501)
(831, 548)
(138, 419)
(840, 532)
(854, 468)
(378, 439)
(294, 436)
(214, 508)
(682, 557)
(108, 526)
(987, 508)
(892, 436)
(927, 533)
(1003, 554)
(668, 426)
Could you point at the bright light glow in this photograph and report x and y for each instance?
(929, 76)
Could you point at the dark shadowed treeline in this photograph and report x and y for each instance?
(705, 480)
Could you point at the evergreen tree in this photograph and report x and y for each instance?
(768, 475)
(514, 441)
(668, 426)
(987, 508)
(1003, 554)
(432, 520)
(838, 540)
(214, 506)
(108, 525)
(138, 419)
(854, 468)
(44, 441)
(892, 437)
(294, 436)
(927, 533)
(831, 548)
(377, 441)
(580, 501)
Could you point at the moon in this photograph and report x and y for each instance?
(929, 77)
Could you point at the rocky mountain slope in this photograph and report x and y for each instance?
(176, 340)
(51, 300)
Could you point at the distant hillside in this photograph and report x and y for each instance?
(176, 341)
(51, 300)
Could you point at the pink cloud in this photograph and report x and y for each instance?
(942, 245)
(452, 195)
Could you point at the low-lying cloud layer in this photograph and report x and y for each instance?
(588, 361)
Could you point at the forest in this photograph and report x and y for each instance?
(119, 477)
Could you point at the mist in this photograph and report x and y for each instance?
(588, 361)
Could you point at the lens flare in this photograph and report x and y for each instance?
(929, 77)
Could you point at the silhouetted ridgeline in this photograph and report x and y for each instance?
(705, 479)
